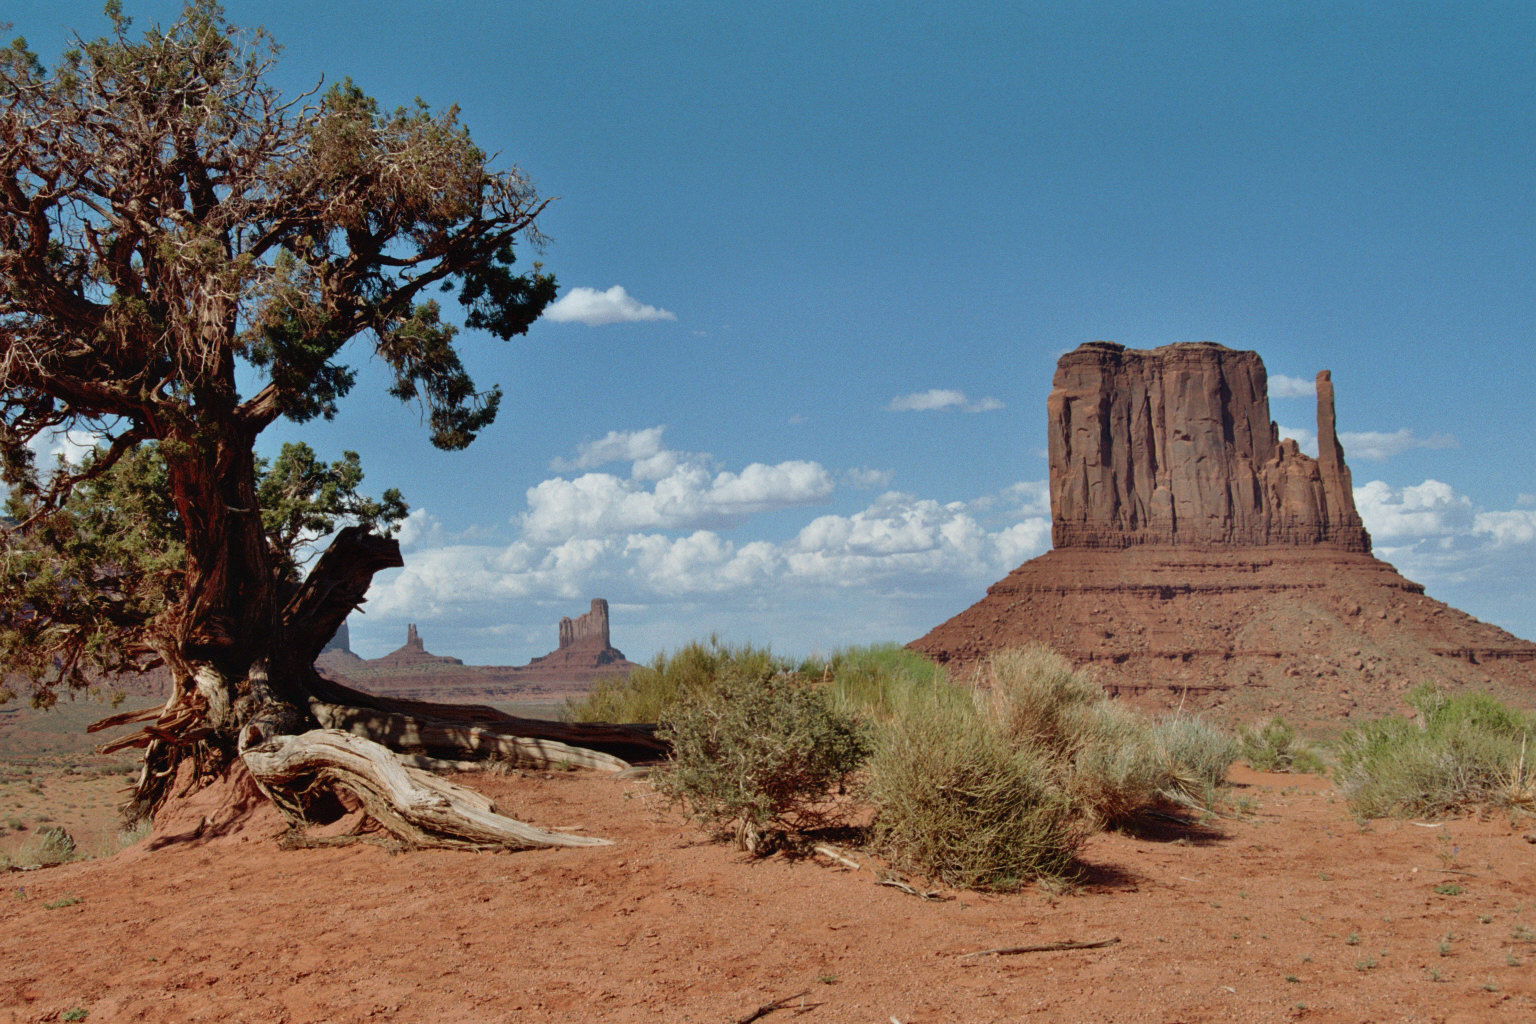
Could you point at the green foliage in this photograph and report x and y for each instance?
(78, 586)
(1273, 746)
(878, 682)
(171, 229)
(303, 499)
(1462, 751)
(755, 753)
(695, 670)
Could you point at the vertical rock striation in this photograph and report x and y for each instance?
(1175, 446)
(588, 630)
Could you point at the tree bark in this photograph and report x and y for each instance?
(300, 734)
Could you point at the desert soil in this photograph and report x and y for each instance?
(1293, 912)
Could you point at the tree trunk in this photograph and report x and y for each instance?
(238, 693)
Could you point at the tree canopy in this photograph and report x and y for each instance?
(172, 228)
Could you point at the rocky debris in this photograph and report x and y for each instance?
(1201, 563)
(1175, 446)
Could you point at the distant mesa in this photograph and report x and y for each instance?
(1200, 561)
(414, 652)
(584, 655)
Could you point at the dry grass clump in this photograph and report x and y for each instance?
(958, 800)
(46, 847)
(1459, 752)
(1000, 781)
(1111, 760)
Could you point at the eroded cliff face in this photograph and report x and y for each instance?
(1175, 446)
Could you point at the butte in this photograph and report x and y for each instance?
(1200, 561)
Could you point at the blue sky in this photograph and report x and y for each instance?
(817, 262)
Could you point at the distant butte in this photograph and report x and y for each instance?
(584, 655)
(1201, 561)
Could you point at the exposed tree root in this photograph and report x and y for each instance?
(418, 807)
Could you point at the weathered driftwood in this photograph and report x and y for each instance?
(415, 805)
(406, 731)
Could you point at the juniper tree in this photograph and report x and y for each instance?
(170, 227)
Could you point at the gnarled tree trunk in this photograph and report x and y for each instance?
(302, 736)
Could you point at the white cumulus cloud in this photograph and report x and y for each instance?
(665, 490)
(1282, 386)
(941, 398)
(1376, 444)
(597, 308)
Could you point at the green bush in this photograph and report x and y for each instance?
(1461, 751)
(963, 802)
(1273, 746)
(756, 754)
(877, 682)
(647, 692)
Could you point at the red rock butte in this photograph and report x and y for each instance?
(1202, 561)
(584, 656)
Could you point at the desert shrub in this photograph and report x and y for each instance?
(1462, 751)
(647, 692)
(47, 846)
(959, 800)
(1111, 760)
(1273, 746)
(879, 681)
(756, 753)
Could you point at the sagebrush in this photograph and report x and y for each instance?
(757, 754)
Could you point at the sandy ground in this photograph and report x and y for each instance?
(1296, 913)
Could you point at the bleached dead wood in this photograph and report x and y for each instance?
(408, 731)
(417, 806)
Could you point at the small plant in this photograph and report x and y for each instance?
(1445, 944)
(757, 754)
(1368, 964)
(65, 901)
(1292, 979)
(1273, 747)
(46, 847)
(1434, 975)
(1353, 939)
(1462, 751)
(1449, 889)
(78, 1013)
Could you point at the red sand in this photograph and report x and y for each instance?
(1296, 914)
